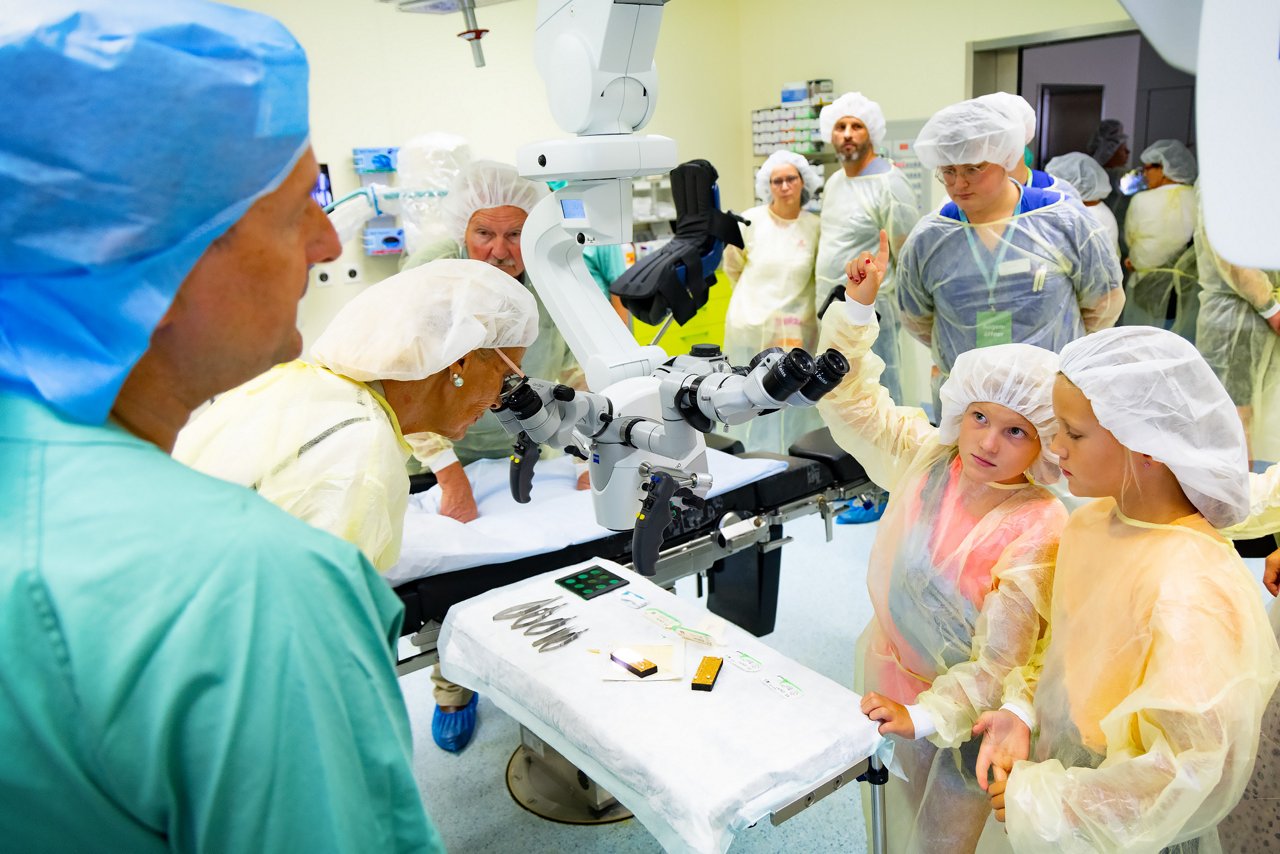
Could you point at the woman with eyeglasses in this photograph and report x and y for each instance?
(1158, 229)
(774, 288)
(327, 438)
(1001, 262)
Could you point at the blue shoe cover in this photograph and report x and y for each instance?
(453, 730)
(862, 513)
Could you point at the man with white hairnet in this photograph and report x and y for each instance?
(1158, 230)
(865, 196)
(1002, 262)
(484, 213)
(1091, 183)
(1109, 147)
(188, 668)
(1238, 333)
(327, 439)
(1147, 700)
(1016, 108)
(962, 562)
(772, 276)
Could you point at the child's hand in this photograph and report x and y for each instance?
(996, 791)
(893, 717)
(1005, 740)
(865, 273)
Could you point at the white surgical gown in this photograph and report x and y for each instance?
(959, 581)
(854, 211)
(323, 447)
(772, 306)
(1104, 217)
(1150, 698)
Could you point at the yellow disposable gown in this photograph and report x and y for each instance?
(959, 581)
(1158, 668)
(772, 306)
(322, 447)
(1158, 229)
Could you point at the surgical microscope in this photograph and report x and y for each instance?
(641, 425)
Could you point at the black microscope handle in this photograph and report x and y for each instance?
(523, 456)
(652, 522)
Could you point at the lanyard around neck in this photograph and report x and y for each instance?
(990, 275)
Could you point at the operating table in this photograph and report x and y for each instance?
(734, 542)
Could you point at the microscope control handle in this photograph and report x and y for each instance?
(837, 293)
(651, 522)
(524, 455)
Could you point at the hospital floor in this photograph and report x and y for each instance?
(822, 608)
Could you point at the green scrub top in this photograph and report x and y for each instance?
(186, 667)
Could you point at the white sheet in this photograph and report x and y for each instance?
(695, 767)
(559, 515)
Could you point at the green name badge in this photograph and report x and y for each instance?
(994, 327)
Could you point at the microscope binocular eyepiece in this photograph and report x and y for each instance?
(521, 399)
(829, 369)
(788, 375)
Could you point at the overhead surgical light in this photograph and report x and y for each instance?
(473, 33)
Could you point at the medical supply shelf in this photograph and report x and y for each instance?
(793, 127)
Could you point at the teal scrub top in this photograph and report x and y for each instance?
(605, 264)
(186, 667)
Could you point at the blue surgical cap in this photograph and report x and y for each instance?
(135, 133)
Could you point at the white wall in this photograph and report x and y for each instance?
(380, 76)
(1111, 63)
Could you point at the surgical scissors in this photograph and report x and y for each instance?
(516, 611)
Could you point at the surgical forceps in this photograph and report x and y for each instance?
(562, 638)
(517, 611)
(538, 617)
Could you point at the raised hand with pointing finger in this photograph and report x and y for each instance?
(867, 272)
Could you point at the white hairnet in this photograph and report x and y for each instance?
(1082, 172)
(1016, 108)
(812, 180)
(1107, 139)
(1179, 164)
(1017, 376)
(421, 320)
(488, 184)
(1156, 394)
(860, 107)
(970, 132)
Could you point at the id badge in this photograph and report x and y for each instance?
(994, 327)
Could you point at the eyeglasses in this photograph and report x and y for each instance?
(968, 173)
(785, 180)
(1146, 166)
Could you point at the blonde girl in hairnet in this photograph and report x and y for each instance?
(773, 288)
(962, 563)
(1142, 712)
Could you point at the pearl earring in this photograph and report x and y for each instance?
(457, 381)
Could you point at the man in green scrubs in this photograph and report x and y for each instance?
(185, 667)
